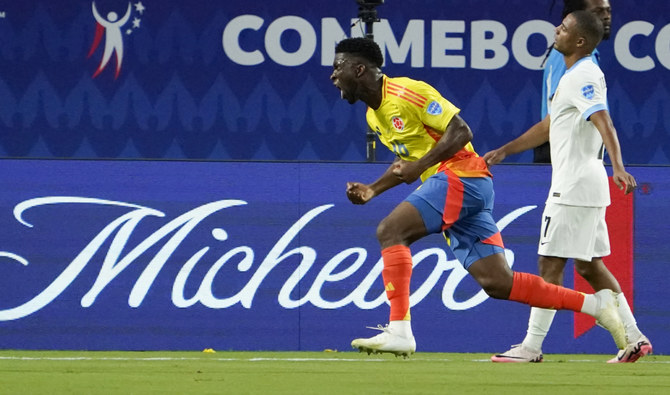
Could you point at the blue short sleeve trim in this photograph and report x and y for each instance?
(598, 107)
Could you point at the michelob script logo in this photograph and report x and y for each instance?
(167, 239)
(110, 27)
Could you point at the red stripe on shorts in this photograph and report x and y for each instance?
(454, 201)
(495, 240)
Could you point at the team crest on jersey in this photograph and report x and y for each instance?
(588, 91)
(434, 108)
(398, 123)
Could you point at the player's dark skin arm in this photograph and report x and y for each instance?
(360, 193)
(456, 136)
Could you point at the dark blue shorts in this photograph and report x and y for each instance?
(462, 209)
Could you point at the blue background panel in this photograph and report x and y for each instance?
(155, 255)
(182, 92)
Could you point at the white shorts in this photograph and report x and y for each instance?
(574, 232)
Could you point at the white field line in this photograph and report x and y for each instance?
(181, 359)
(82, 358)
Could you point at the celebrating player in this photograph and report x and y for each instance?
(432, 141)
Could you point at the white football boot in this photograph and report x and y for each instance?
(633, 351)
(608, 317)
(386, 341)
(518, 353)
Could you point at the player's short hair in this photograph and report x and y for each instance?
(570, 6)
(363, 47)
(589, 26)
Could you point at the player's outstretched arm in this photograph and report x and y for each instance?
(537, 135)
(621, 177)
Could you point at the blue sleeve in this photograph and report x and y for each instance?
(553, 72)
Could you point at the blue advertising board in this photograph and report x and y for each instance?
(183, 255)
(249, 80)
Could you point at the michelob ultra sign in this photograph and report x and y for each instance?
(149, 255)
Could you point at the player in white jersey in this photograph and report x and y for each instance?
(578, 175)
(554, 65)
(578, 128)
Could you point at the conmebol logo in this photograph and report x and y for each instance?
(110, 26)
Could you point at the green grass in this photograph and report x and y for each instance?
(87, 372)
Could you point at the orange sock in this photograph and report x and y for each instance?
(533, 290)
(396, 274)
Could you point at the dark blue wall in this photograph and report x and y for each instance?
(182, 93)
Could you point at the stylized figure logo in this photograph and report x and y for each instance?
(110, 27)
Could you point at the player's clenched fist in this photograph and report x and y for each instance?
(359, 193)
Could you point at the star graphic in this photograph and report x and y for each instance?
(129, 31)
(136, 23)
(139, 7)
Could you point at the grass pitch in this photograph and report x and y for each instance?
(82, 372)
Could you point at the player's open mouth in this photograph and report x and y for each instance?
(341, 91)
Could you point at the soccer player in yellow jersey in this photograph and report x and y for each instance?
(411, 119)
(432, 141)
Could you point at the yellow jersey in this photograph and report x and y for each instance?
(412, 118)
